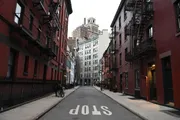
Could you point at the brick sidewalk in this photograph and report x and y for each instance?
(34, 109)
(142, 108)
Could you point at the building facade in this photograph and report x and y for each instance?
(145, 50)
(31, 44)
(90, 52)
(70, 63)
(74, 48)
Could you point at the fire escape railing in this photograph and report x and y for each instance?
(50, 17)
(142, 13)
(30, 32)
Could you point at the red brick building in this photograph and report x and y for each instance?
(33, 40)
(145, 49)
(105, 68)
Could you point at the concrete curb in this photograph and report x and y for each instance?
(142, 117)
(51, 107)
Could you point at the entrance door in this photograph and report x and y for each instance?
(153, 86)
(89, 82)
(85, 82)
(11, 65)
(80, 81)
(167, 79)
(121, 82)
(45, 72)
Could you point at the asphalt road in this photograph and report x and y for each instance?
(87, 103)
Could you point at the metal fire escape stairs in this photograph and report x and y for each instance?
(50, 19)
(139, 22)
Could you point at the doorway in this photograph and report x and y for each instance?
(152, 81)
(167, 80)
(121, 77)
(45, 72)
(89, 82)
(80, 81)
(85, 82)
(11, 65)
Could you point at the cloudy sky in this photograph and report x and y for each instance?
(102, 10)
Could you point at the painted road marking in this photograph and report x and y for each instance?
(106, 111)
(95, 111)
(85, 110)
(74, 111)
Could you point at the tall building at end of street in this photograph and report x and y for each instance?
(90, 52)
(33, 40)
(86, 30)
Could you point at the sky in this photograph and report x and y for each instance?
(102, 10)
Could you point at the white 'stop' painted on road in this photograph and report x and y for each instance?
(85, 110)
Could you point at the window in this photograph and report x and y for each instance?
(55, 74)
(114, 31)
(125, 34)
(31, 19)
(96, 68)
(26, 65)
(150, 32)
(120, 40)
(125, 14)
(89, 62)
(52, 72)
(95, 43)
(11, 64)
(177, 8)
(119, 22)
(18, 13)
(126, 51)
(126, 79)
(35, 67)
(88, 46)
(95, 49)
(137, 79)
(95, 61)
(120, 58)
(95, 56)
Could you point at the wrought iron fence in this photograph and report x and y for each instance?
(13, 93)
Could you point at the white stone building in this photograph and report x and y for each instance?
(70, 64)
(90, 52)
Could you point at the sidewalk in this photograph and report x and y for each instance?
(142, 108)
(35, 109)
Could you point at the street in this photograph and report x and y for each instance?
(86, 103)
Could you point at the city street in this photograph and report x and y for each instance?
(86, 103)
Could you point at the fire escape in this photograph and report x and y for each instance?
(142, 12)
(113, 61)
(113, 51)
(50, 17)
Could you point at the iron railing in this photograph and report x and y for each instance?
(43, 42)
(17, 92)
(145, 48)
